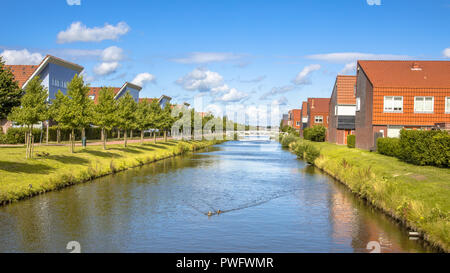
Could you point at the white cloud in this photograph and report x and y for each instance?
(277, 90)
(73, 2)
(106, 68)
(77, 32)
(446, 52)
(112, 54)
(349, 68)
(374, 2)
(281, 101)
(14, 57)
(143, 78)
(233, 95)
(201, 80)
(206, 57)
(347, 57)
(303, 76)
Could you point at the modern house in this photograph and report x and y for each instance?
(304, 117)
(54, 72)
(118, 91)
(284, 120)
(161, 100)
(295, 119)
(342, 109)
(391, 95)
(317, 112)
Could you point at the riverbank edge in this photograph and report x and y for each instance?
(90, 173)
(321, 164)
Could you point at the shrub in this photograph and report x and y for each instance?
(425, 147)
(17, 135)
(419, 147)
(316, 133)
(288, 139)
(311, 153)
(2, 137)
(299, 148)
(351, 141)
(388, 146)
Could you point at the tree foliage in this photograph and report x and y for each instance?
(10, 93)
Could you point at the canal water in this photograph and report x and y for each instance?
(270, 202)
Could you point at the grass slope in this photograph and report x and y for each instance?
(416, 195)
(21, 178)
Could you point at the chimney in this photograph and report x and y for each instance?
(415, 67)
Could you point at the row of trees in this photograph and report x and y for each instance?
(76, 111)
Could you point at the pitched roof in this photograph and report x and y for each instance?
(21, 72)
(150, 100)
(345, 88)
(407, 74)
(319, 105)
(94, 91)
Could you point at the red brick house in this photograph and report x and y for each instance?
(342, 109)
(295, 119)
(391, 95)
(317, 111)
(304, 117)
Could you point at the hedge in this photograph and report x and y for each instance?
(317, 133)
(419, 147)
(389, 146)
(351, 141)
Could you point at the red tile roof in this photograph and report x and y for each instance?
(345, 87)
(21, 72)
(319, 105)
(407, 74)
(150, 100)
(95, 91)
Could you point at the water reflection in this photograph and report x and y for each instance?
(271, 202)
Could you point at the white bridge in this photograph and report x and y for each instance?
(257, 134)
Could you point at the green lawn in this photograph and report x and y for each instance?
(20, 178)
(417, 195)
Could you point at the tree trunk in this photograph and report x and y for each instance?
(165, 136)
(131, 134)
(26, 144)
(58, 135)
(83, 136)
(118, 133)
(104, 138)
(72, 140)
(154, 136)
(125, 138)
(47, 133)
(142, 136)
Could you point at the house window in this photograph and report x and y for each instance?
(447, 105)
(298, 123)
(393, 104)
(92, 97)
(358, 104)
(318, 119)
(423, 104)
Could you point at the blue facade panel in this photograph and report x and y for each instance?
(56, 77)
(133, 92)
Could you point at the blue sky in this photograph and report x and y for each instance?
(251, 52)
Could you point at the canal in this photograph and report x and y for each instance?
(270, 202)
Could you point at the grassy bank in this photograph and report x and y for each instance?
(418, 196)
(21, 178)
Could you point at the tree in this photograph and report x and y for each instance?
(74, 110)
(105, 111)
(144, 117)
(166, 120)
(126, 114)
(32, 109)
(157, 117)
(10, 93)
